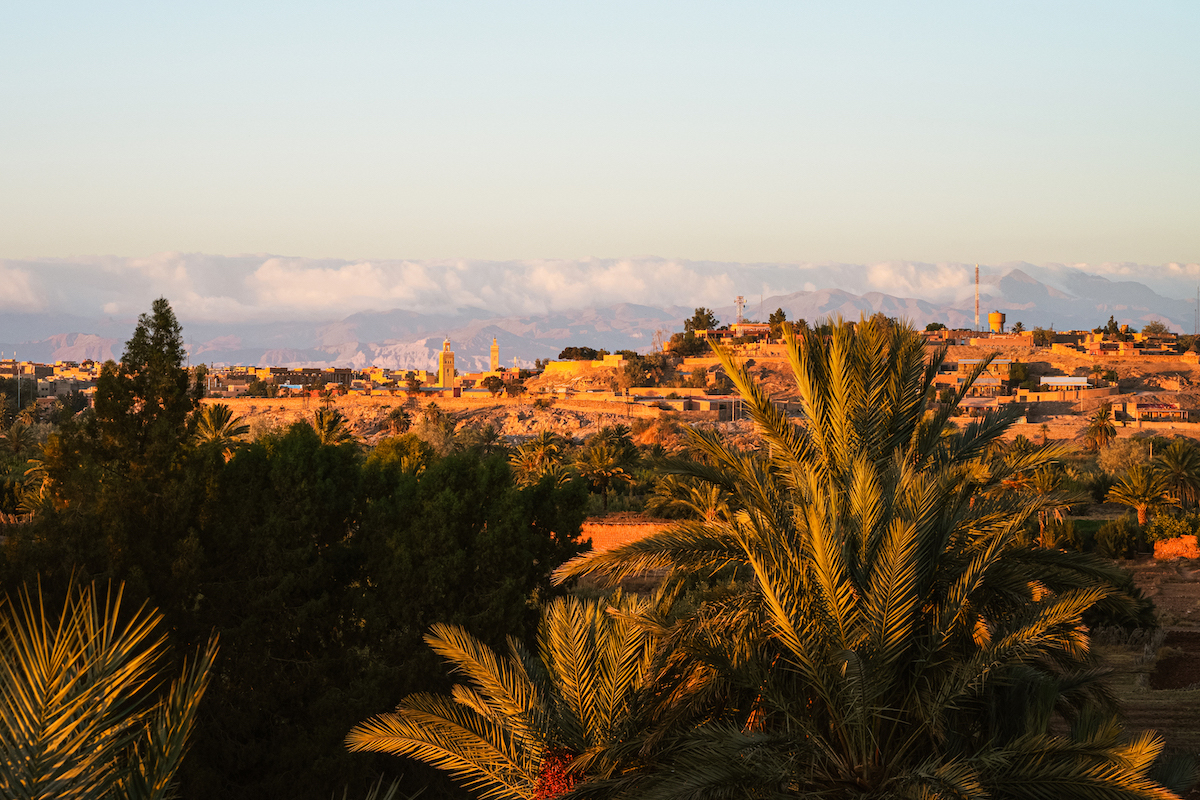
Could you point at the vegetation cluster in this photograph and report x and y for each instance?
(319, 565)
(874, 602)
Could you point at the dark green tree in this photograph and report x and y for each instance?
(702, 320)
(493, 383)
(142, 403)
(1155, 326)
(688, 344)
(777, 321)
(121, 495)
(579, 354)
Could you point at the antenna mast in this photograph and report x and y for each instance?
(741, 303)
(976, 297)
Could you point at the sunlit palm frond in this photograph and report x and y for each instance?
(495, 732)
(80, 711)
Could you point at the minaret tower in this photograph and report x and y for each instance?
(446, 366)
(495, 355)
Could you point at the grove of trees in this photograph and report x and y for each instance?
(865, 618)
(319, 567)
(869, 601)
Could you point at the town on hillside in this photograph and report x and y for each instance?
(1150, 378)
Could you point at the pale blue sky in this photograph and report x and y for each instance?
(1063, 131)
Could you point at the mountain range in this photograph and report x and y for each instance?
(400, 338)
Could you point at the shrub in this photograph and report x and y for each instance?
(1119, 538)
(1063, 536)
(1097, 484)
(1164, 526)
(1122, 454)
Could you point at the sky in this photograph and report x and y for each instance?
(744, 132)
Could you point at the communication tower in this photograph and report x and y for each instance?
(741, 303)
(976, 297)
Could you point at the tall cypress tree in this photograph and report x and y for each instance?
(121, 506)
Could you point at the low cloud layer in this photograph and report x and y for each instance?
(266, 288)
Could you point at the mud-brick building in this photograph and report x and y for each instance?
(1157, 412)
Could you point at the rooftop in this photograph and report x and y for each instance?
(1061, 380)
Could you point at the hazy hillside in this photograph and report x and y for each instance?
(471, 302)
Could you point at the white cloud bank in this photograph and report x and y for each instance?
(266, 287)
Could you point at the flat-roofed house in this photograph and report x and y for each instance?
(1157, 412)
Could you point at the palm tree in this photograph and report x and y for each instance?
(399, 421)
(605, 465)
(19, 438)
(216, 427)
(35, 491)
(1049, 483)
(1100, 429)
(1179, 464)
(696, 499)
(331, 427)
(540, 456)
(520, 721)
(1045, 431)
(1144, 489)
(894, 636)
(485, 440)
(82, 714)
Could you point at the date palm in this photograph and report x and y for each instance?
(602, 464)
(19, 437)
(1100, 429)
(398, 421)
(1144, 489)
(894, 638)
(1179, 464)
(331, 426)
(1049, 484)
(673, 494)
(82, 713)
(35, 490)
(540, 456)
(607, 460)
(216, 427)
(518, 721)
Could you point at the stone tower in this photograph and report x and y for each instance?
(446, 366)
(495, 355)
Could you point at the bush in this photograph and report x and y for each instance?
(1064, 536)
(1097, 484)
(1119, 538)
(1164, 526)
(1122, 454)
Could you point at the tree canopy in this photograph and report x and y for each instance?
(319, 565)
(575, 353)
(702, 320)
(892, 634)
